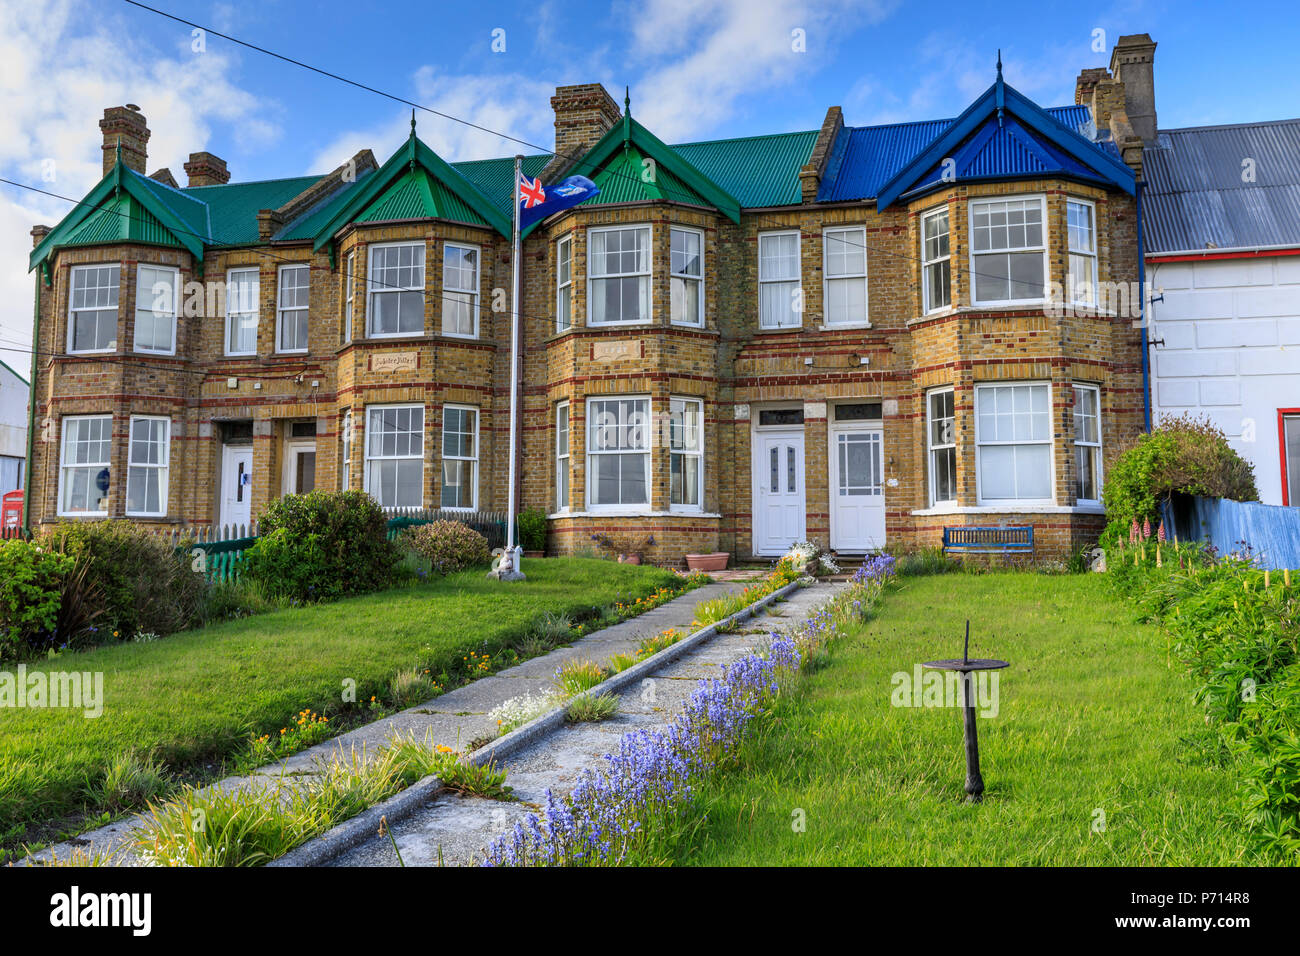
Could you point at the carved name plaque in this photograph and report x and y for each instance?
(616, 351)
(395, 362)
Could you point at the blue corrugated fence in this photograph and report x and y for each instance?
(1271, 531)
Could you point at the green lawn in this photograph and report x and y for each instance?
(193, 698)
(1090, 719)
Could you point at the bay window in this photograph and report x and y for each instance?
(686, 453)
(1087, 444)
(84, 465)
(936, 261)
(92, 309)
(460, 290)
(562, 456)
(155, 309)
(778, 280)
(618, 281)
(844, 255)
(1013, 443)
(395, 455)
(395, 284)
(459, 457)
(242, 290)
(687, 279)
(1081, 283)
(941, 440)
(618, 452)
(1008, 250)
(564, 284)
(291, 309)
(147, 463)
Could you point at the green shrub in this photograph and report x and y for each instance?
(588, 709)
(321, 546)
(139, 580)
(1183, 455)
(532, 529)
(448, 546)
(31, 586)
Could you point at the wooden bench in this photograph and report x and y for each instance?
(989, 540)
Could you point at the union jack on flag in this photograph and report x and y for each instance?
(531, 192)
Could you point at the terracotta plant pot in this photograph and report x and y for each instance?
(714, 561)
(629, 559)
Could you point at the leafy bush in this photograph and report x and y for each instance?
(31, 585)
(1184, 454)
(532, 529)
(321, 546)
(140, 581)
(448, 546)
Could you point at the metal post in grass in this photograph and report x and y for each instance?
(966, 667)
(505, 569)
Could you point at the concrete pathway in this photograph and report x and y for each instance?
(454, 719)
(453, 830)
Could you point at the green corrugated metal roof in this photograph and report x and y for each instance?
(493, 176)
(121, 219)
(623, 180)
(417, 195)
(757, 170)
(310, 222)
(233, 208)
(193, 213)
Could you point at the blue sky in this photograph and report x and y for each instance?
(698, 69)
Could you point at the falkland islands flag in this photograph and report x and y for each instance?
(536, 201)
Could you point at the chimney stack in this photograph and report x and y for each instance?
(205, 169)
(125, 125)
(1132, 63)
(583, 114)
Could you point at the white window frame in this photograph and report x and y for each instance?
(1090, 254)
(563, 286)
(937, 262)
(646, 276)
(697, 453)
(162, 466)
(65, 467)
(233, 314)
(345, 472)
(372, 290)
(563, 456)
(472, 459)
(349, 294)
(368, 457)
(644, 452)
(153, 314)
(859, 239)
(763, 322)
(451, 294)
(981, 444)
(1095, 445)
(686, 278)
(72, 313)
(972, 255)
(281, 311)
(932, 448)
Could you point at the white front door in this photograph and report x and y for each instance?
(236, 485)
(299, 468)
(857, 490)
(779, 502)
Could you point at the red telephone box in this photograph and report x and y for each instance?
(11, 513)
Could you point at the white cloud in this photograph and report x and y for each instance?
(61, 63)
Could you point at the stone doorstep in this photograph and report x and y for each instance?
(452, 719)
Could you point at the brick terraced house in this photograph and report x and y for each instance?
(842, 334)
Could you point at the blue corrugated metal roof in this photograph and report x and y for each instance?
(864, 158)
(1196, 197)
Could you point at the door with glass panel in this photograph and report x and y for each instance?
(857, 490)
(780, 506)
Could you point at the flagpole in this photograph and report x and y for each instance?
(508, 571)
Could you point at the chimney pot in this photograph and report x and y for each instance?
(1132, 63)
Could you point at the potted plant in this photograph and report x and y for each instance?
(626, 546)
(532, 532)
(710, 561)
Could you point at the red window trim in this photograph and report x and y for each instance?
(1282, 414)
(1155, 260)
